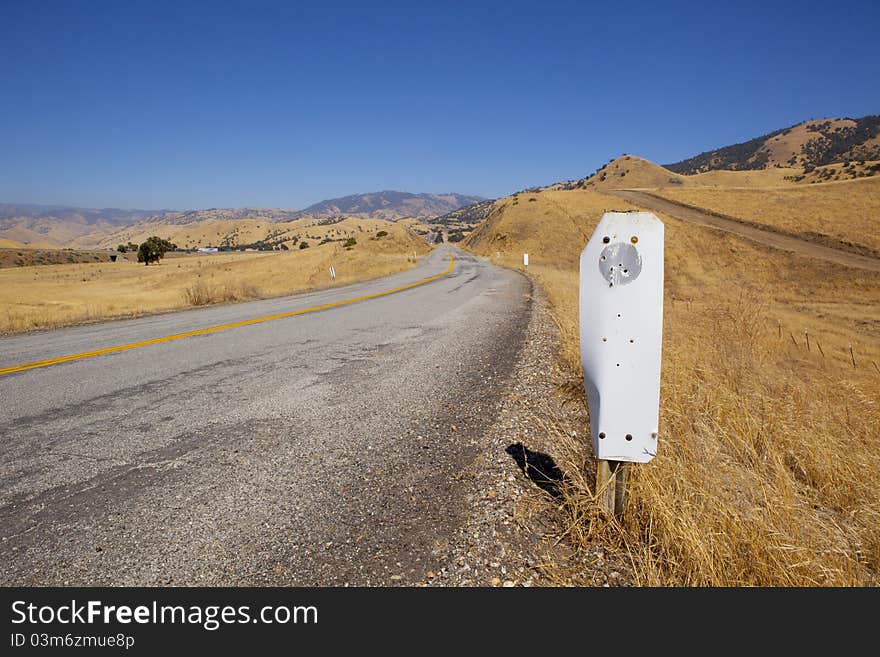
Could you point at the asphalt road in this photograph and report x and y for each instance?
(322, 449)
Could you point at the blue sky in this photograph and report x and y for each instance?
(193, 105)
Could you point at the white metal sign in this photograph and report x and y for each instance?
(332, 273)
(621, 329)
(525, 259)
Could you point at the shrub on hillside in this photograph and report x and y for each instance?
(202, 294)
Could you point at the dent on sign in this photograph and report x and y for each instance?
(621, 330)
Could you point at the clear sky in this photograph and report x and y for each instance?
(194, 105)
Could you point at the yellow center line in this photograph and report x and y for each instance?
(222, 327)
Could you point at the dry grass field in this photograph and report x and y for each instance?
(57, 295)
(785, 199)
(633, 172)
(768, 471)
(23, 239)
(233, 232)
(848, 211)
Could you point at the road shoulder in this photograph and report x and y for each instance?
(514, 533)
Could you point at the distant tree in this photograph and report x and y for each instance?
(121, 248)
(284, 247)
(303, 245)
(350, 242)
(154, 249)
(382, 233)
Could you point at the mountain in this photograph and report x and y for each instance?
(50, 226)
(390, 205)
(805, 145)
(113, 216)
(631, 172)
(186, 217)
(42, 226)
(54, 225)
(466, 216)
(827, 150)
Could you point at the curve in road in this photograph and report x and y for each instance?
(335, 447)
(223, 327)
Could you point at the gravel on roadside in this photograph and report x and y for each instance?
(514, 534)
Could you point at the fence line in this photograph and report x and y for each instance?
(808, 342)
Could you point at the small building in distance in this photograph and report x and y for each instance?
(208, 249)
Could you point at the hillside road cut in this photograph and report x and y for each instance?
(751, 231)
(324, 448)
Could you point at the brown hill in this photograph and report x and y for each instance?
(805, 145)
(239, 234)
(41, 226)
(631, 172)
(389, 205)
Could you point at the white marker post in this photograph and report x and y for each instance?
(332, 273)
(525, 259)
(621, 329)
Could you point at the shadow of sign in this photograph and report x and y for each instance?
(540, 468)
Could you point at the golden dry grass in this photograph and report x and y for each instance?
(45, 234)
(58, 295)
(754, 179)
(632, 172)
(768, 471)
(231, 232)
(848, 211)
(11, 244)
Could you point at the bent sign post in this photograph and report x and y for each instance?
(621, 329)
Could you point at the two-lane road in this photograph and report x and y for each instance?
(315, 448)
